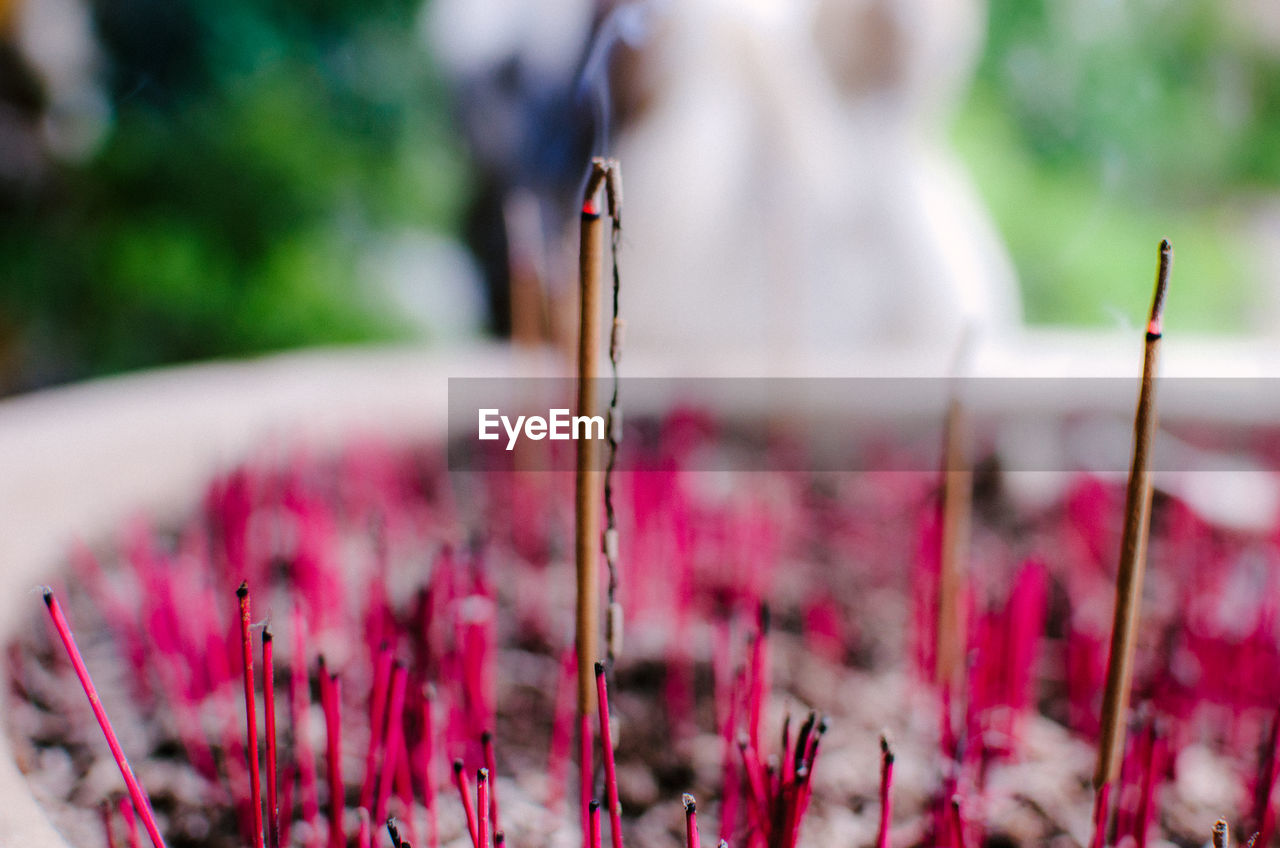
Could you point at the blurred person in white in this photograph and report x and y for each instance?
(789, 191)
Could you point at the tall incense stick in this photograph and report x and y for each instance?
(141, 802)
(1133, 548)
(588, 491)
(250, 713)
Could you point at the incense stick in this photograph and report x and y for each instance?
(141, 802)
(886, 791)
(251, 713)
(269, 695)
(1133, 546)
(587, 482)
(610, 774)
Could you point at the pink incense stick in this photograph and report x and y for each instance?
(377, 719)
(426, 766)
(464, 792)
(331, 702)
(269, 696)
(130, 823)
(482, 807)
(364, 836)
(606, 744)
(593, 816)
(104, 809)
(393, 738)
(691, 821)
(886, 792)
(251, 713)
(139, 798)
(957, 824)
(491, 763)
(1101, 802)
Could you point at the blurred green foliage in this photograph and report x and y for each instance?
(1097, 127)
(256, 146)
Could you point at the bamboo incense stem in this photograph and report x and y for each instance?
(1133, 548)
(957, 493)
(588, 484)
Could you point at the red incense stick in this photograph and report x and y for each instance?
(593, 816)
(331, 703)
(104, 809)
(464, 792)
(377, 710)
(690, 821)
(482, 807)
(886, 791)
(130, 823)
(606, 743)
(140, 800)
(251, 713)
(957, 824)
(491, 763)
(392, 738)
(364, 836)
(269, 695)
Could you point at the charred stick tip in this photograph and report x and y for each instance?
(1221, 835)
(1156, 323)
(594, 805)
(886, 748)
(457, 766)
(690, 805)
(483, 775)
(599, 669)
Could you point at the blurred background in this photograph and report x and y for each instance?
(188, 179)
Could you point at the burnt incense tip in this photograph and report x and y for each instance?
(599, 669)
(499, 838)
(486, 737)
(48, 596)
(1221, 836)
(955, 802)
(766, 617)
(886, 748)
(723, 843)
(483, 775)
(690, 805)
(743, 740)
(243, 591)
(267, 636)
(594, 805)
(457, 766)
(1155, 324)
(394, 833)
